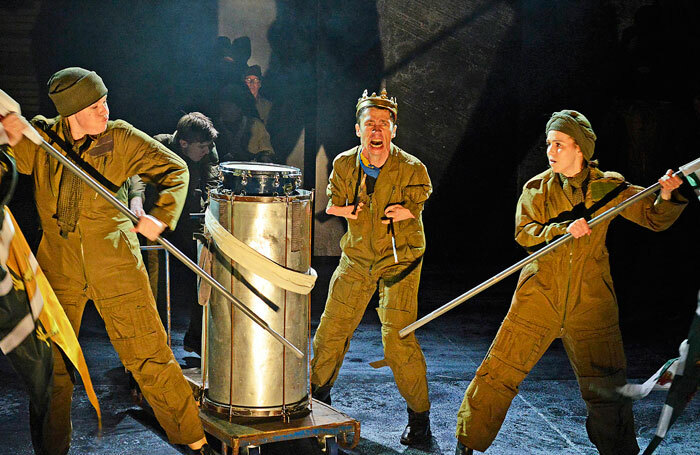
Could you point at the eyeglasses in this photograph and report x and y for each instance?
(252, 80)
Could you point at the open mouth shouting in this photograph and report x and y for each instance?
(376, 144)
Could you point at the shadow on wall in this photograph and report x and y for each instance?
(323, 55)
(530, 77)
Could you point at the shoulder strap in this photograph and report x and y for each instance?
(77, 160)
(609, 196)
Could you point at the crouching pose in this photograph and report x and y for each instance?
(566, 294)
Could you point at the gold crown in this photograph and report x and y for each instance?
(382, 101)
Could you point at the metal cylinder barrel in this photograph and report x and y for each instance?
(248, 372)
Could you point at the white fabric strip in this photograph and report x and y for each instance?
(5, 284)
(18, 334)
(6, 235)
(237, 251)
(664, 420)
(673, 367)
(37, 303)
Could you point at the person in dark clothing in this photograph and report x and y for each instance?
(193, 141)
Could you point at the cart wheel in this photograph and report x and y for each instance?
(330, 445)
(251, 450)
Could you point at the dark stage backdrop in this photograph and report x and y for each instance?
(476, 81)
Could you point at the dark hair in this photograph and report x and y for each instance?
(196, 127)
(362, 111)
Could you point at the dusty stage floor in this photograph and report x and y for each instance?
(547, 417)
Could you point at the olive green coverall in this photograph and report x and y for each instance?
(101, 261)
(566, 294)
(367, 262)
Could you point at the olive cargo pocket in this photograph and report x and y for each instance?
(519, 344)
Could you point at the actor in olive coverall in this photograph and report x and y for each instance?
(566, 294)
(367, 262)
(97, 256)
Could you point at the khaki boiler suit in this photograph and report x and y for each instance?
(367, 262)
(101, 261)
(566, 294)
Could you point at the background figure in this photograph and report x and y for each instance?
(253, 80)
(193, 141)
(242, 135)
(240, 54)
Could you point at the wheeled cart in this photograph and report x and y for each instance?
(245, 436)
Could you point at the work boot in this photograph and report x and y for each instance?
(204, 450)
(417, 432)
(463, 450)
(322, 394)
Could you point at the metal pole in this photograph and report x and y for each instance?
(691, 167)
(167, 284)
(168, 246)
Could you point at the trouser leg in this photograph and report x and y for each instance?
(349, 293)
(58, 431)
(138, 336)
(398, 303)
(518, 346)
(598, 359)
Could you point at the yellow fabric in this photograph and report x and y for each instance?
(52, 315)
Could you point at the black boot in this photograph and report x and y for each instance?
(417, 432)
(463, 450)
(322, 394)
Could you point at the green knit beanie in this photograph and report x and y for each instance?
(577, 126)
(73, 89)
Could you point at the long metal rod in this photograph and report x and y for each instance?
(533, 257)
(168, 246)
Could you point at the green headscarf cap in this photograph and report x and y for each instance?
(577, 126)
(73, 89)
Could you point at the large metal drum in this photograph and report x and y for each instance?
(248, 372)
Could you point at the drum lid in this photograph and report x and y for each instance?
(251, 168)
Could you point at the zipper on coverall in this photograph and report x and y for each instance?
(371, 225)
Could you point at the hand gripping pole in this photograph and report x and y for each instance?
(8, 105)
(687, 169)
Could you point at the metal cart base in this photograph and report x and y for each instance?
(243, 436)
